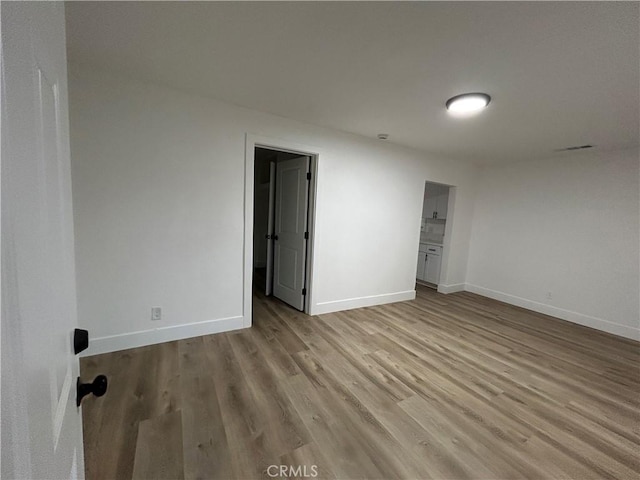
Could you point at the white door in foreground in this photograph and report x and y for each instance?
(41, 426)
(292, 194)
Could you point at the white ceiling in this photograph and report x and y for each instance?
(560, 74)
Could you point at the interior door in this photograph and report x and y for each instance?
(270, 227)
(292, 196)
(41, 426)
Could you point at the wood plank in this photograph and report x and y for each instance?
(159, 448)
(249, 451)
(334, 432)
(110, 423)
(204, 440)
(283, 428)
(312, 461)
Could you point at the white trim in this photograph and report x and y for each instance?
(247, 238)
(144, 338)
(575, 317)
(359, 302)
(453, 288)
(311, 244)
(448, 235)
(61, 407)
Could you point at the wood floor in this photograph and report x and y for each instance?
(443, 387)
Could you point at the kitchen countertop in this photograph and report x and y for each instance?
(431, 242)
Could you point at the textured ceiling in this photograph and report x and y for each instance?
(560, 74)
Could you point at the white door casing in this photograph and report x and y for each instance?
(270, 227)
(292, 195)
(41, 426)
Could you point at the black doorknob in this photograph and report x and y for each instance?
(98, 387)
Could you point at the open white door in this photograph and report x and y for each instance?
(270, 227)
(292, 195)
(41, 426)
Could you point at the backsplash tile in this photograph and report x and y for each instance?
(432, 230)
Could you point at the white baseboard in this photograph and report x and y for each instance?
(359, 302)
(143, 338)
(575, 317)
(453, 288)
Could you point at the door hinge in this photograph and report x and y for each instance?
(304, 291)
(306, 235)
(308, 175)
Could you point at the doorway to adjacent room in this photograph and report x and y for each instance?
(435, 211)
(282, 207)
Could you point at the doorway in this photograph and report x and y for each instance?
(282, 224)
(433, 228)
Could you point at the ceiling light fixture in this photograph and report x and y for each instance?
(467, 103)
(383, 136)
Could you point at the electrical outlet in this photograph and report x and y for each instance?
(156, 313)
(549, 296)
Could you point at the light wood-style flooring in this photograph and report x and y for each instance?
(443, 387)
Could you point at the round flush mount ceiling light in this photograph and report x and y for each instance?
(467, 103)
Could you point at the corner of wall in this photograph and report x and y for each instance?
(360, 302)
(453, 288)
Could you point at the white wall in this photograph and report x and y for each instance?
(158, 179)
(569, 226)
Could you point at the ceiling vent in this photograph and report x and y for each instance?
(578, 147)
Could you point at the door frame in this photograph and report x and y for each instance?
(443, 285)
(282, 145)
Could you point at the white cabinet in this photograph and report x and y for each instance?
(432, 269)
(435, 206)
(429, 257)
(430, 207)
(442, 202)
